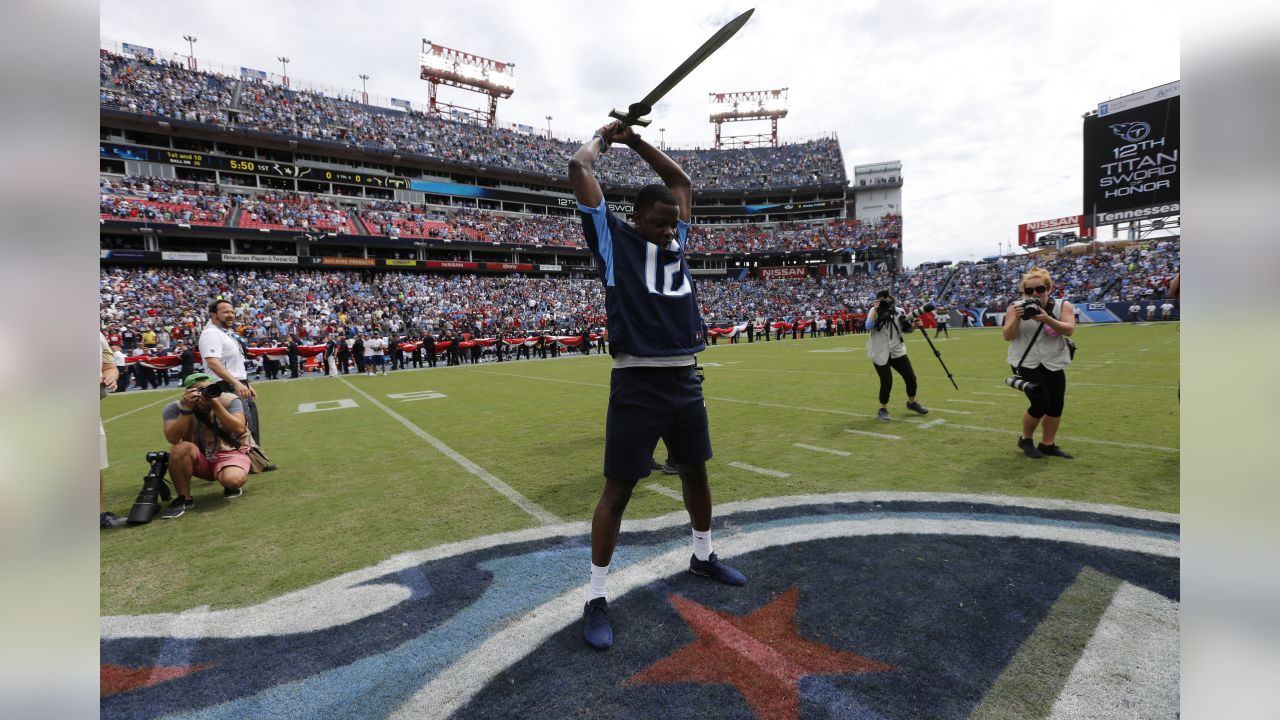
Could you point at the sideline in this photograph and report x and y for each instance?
(541, 514)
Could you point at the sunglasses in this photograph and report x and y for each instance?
(1034, 290)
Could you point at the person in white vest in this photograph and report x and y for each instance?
(886, 322)
(1037, 328)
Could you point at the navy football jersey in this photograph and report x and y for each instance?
(650, 298)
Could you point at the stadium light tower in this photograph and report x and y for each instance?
(284, 69)
(364, 88)
(191, 51)
(444, 66)
(549, 119)
(751, 105)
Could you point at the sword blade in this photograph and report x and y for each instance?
(710, 46)
(636, 110)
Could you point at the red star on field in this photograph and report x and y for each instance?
(118, 678)
(761, 655)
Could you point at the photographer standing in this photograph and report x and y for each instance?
(886, 322)
(1037, 328)
(200, 450)
(223, 354)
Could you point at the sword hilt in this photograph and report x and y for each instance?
(635, 115)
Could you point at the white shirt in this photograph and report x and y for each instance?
(217, 342)
(374, 346)
(885, 341)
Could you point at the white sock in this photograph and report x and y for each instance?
(599, 580)
(702, 544)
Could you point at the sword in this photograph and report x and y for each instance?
(636, 111)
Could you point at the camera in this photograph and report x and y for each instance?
(1018, 383)
(884, 306)
(154, 490)
(211, 392)
(1031, 308)
(926, 308)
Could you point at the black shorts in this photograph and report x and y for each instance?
(649, 403)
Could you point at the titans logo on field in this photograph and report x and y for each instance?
(879, 605)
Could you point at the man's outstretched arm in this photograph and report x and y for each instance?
(581, 170)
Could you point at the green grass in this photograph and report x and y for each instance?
(356, 486)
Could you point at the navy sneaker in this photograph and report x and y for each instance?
(669, 469)
(178, 507)
(882, 414)
(713, 568)
(596, 630)
(1028, 447)
(228, 493)
(1054, 450)
(917, 407)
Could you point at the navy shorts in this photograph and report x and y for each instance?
(376, 359)
(648, 403)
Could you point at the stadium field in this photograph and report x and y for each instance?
(371, 467)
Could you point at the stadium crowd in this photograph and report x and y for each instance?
(168, 200)
(311, 305)
(167, 88)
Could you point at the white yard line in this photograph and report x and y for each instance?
(950, 411)
(144, 407)
(931, 423)
(759, 470)
(537, 511)
(664, 490)
(973, 402)
(873, 434)
(841, 453)
(849, 413)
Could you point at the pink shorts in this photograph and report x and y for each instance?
(208, 470)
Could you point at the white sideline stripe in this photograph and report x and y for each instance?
(848, 413)
(524, 503)
(950, 411)
(1131, 661)
(144, 407)
(456, 685)
(760, 470)
(841, 453)
(931, 423)
(972, 402)
(873, 434)
(1013, 394)
(535, 377)
(664, 490)
(347, 598)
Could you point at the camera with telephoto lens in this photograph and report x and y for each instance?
(154, 490)
(885, 306)
(926, 308)
(211, 392)
(1031, 308)
(1018, 383)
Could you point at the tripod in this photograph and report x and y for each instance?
(939, 356)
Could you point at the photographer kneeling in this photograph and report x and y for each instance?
(1038, 327)
(198, 448)
(886, 322)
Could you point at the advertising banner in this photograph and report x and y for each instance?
(797, 271)
(1131, 163)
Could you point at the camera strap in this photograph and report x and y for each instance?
(226, 437)
(1023, 359)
